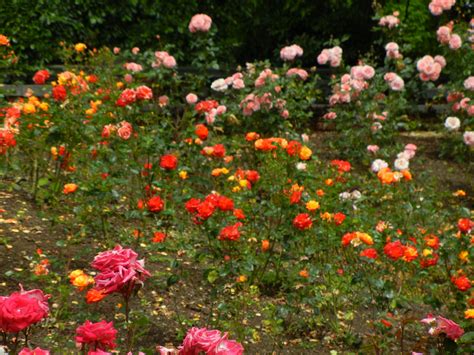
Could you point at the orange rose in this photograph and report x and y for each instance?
(69, 188)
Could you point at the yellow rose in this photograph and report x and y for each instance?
(183, 174)
(29, 108)
(44, 106)
(305, 153)
(312, 205)
(80, 47)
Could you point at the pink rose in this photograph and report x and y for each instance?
(135, 50)
(229, 347)
(191, 98)
(98, 336)
(444, 34)
(468, 137)
(455, 42)
(201, 339)
(469, 83)
(290, 53)
(163, 100)
(134, 67)
(125, 130)
(200, 23)
(116, 50)
(128, 78)
(238, 84)
(36, 351)
(373, 149)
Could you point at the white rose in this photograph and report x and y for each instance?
(219, 85)
(452, 123)
(401, 164)
(378, 165)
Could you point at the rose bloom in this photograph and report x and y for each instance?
(191, 98)
(40, 77)
(230, 232)
(465, 225)
(69, 188)
(95, 295)
(443, 325)
(394, 250)
(98, 336)
(401, 164)
(210, 342)
(144, 93)
(201, 131)
(125, 130)
(373, 149)
(159, 237)
(219, 85)
(289, 53)
(22, 309)
(155, 204)
(369, 253)
(36, 351)
(59, 93)
(302, 221)
(378, 165)
(455, 42)
(452, 123)
(469, 83)
(168, 162)
(468, 137)
(200, 23)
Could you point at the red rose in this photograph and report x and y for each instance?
(205, 210)
(192, 205)
(159, 237)
(461, 282)
(155, 204)
(465, 225)
(143, 93)
(59, 93)
(252, 176)
(394, 250)
(339, 218)
(201, 131)
(206, 106)
(239, 214)
(98, 336)
(293, 148)
(219, 151)
(169, 162)
(225, 203)
(302, 221)
(127, 97)
(342, 165)
(230, 232)
(40, 77)
(369, 253)
(429, 261)
(22, 309)
(295, 197)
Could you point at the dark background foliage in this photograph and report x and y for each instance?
(247, 30)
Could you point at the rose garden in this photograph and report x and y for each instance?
(278, 207)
